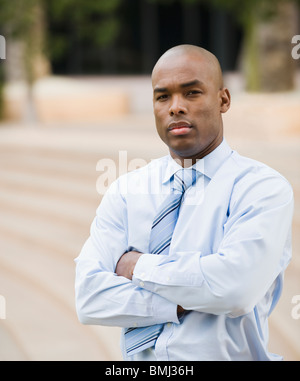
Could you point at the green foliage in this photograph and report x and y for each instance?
(82, 8)
(92, 21)
(92, 18)
(243, 10)
(16, 16)
(88, 20)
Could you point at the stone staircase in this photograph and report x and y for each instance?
(48, 199)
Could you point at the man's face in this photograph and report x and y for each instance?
(188, 102)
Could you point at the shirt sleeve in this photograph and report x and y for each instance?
(102, 297)
(253, 252)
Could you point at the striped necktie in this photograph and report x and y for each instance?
(138, 339)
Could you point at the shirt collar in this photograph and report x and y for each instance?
(207, 165)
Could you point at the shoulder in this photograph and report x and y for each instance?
(254, 179)
(254, 169)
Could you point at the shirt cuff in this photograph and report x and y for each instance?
(179, 269)
(144, 268)
(161, 306)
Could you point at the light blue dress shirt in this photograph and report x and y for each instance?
(225, 267)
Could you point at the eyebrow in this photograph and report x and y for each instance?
(183, 85)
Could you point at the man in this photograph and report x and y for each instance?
(203, 291)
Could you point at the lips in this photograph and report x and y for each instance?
(179, 128)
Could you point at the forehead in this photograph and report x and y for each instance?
(180, 69)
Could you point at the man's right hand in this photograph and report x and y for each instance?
(126, 264)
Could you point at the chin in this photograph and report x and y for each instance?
(183, 153)
(185, 147)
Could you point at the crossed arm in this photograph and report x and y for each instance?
(133, 290)
(126, 265)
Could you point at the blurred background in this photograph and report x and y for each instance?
(75, 88)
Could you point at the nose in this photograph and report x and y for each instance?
(177, 106)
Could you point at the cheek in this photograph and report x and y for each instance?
(159, 111)
(159, 128)
(160, 118)
(206, 114)
(208, 122)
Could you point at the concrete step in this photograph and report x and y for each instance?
(36, 253)
(41, 232)
(136, 135)
(10, 348)
(42, 266)
(283, 327)
(43, 327)
(80, 168)
(52, 209)
(65, 188)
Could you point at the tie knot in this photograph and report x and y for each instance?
(184, 178)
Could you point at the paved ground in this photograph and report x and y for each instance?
(48, 197)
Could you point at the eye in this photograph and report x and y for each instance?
(194, 92)
(162, 97)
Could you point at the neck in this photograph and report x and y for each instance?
(189, 160)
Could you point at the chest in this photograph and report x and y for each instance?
(200, 225)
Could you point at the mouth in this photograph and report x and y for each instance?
(179, 128)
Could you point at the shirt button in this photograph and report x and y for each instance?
(142, 284)
(169, 325)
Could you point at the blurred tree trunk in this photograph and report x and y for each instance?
(1, 90)
(268, 63)
(2, 77)
(36, 63)
(25, 30)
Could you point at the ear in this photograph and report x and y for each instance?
(225, 98)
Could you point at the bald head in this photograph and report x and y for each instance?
(195, 53)
(188, 100)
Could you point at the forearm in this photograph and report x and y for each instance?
(186, 285)
(104, 298)
(177, 278)
(126, 265)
